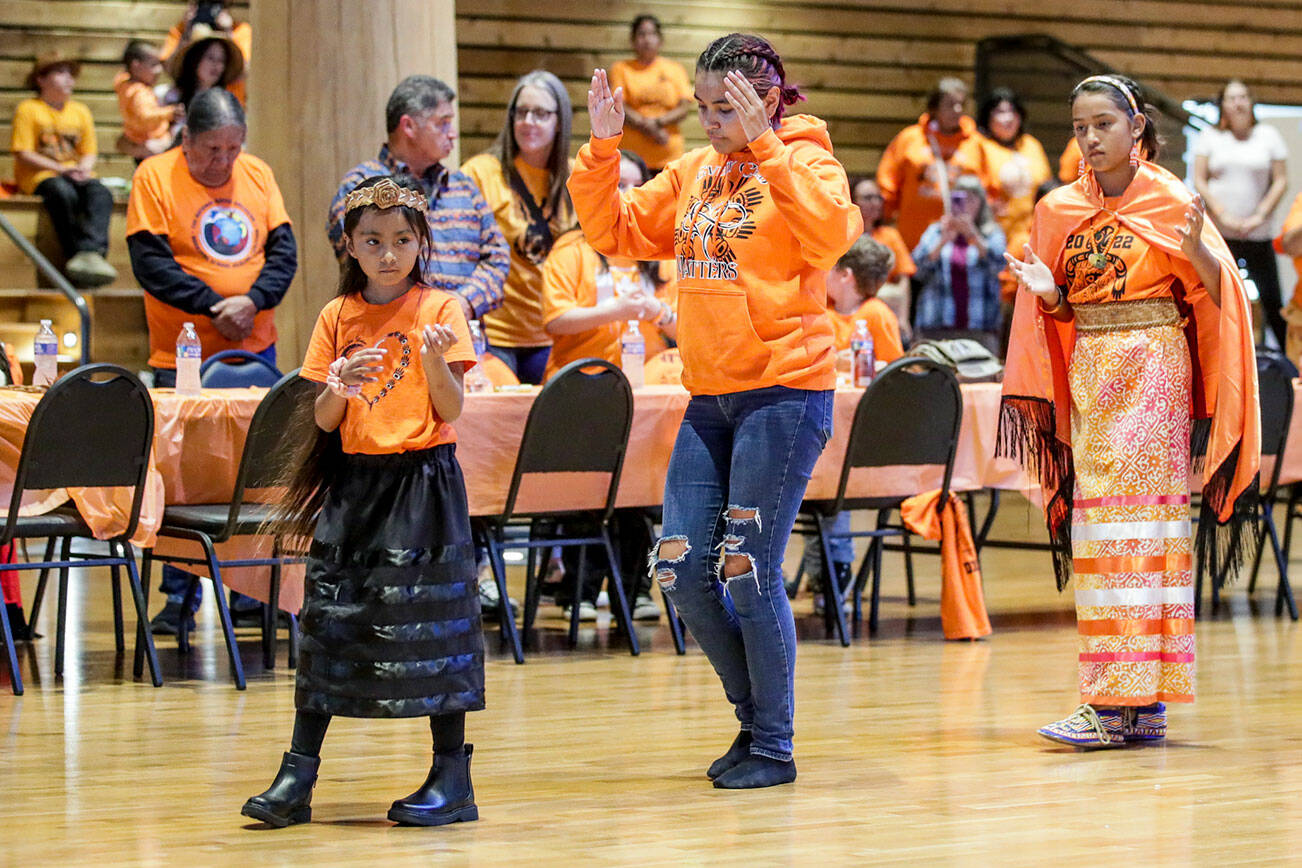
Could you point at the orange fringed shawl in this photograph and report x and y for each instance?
(1035, 415)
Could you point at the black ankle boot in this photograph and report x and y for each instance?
(447, 796)
(737, 751)
(289, 798)
(755, 772)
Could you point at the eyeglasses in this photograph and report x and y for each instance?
(537, 115)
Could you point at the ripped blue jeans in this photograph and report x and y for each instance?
(736, 479)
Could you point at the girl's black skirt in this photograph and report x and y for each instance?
(391, 605)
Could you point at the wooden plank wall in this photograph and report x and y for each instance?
(92, 31)
(866, 65)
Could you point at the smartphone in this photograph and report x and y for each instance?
(958, 200)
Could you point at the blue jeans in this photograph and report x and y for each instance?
(736, 479)
(175, 580)
(527, 363)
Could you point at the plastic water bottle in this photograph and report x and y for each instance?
(864, 363)
(189, 356)
(477, 379)
(632, 354)
(45, 350)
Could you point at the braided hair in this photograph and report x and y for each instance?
(754, 57)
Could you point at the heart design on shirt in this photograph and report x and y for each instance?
(397, 346)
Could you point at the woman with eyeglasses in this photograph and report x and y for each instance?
(522, 176)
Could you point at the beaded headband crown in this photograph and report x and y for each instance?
(1119, 85)
(384, 195)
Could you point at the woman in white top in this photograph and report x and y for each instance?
(1239, 171)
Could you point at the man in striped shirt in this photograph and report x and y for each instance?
(470, 258)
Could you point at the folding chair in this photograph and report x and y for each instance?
(235, 369)
(272, 445)
(579, 423)
(908, 416)
(1275, 384)
(84, 433)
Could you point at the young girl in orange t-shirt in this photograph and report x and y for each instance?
(391, 624)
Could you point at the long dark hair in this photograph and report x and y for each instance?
(757, 59)
(187, 78)
(650, 270)
(352, 279)
(505, 148)
(1221, 122)
(1149, 142)
(308, 484)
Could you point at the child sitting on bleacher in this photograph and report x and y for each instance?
(54, 151)
(148, 127)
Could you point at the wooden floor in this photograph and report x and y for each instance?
(910, 750)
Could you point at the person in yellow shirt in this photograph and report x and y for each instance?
(147, 126)
(522, 176)
(54, 148)
(657, 96)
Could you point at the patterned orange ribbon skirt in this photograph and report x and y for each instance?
(1131, 534)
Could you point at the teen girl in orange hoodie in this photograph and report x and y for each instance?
(753, 223)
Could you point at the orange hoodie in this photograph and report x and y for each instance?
(907, 173)
(752, 233)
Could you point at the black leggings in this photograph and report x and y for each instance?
(448, 730)
(1258, 258)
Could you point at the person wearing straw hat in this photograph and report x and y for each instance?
(203, 18)
(54, 147)
(210, 59)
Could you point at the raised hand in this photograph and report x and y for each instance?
(361, 367)
(750, 109)
(605, 108)
(1191, 233)
(435, 341)
(1033, 274)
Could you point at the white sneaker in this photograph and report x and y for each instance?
(489, 597)
(587, 612)
(645, 609)
(90, 269)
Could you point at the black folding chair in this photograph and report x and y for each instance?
(271, 447)
(94, 428)
(1275, 385)
(579, 423)
(908, 416)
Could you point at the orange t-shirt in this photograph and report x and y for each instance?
(907, 173)
(573, 277)
(1069, 163)
(1015, 174)
(142, 117)
(882, 325)
(904, 264)
(1292, 222)
(1134, 270)
(652, 90)
(752, 233)
(64, 134)
(395, 413)
(241, 35)
(217, 234)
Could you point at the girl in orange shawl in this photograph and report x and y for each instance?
(1131, 320)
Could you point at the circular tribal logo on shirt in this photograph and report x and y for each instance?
(223, 231)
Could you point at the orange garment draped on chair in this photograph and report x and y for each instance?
(962, 601)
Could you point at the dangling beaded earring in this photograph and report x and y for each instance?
(1134, 155)
(1080, 168)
